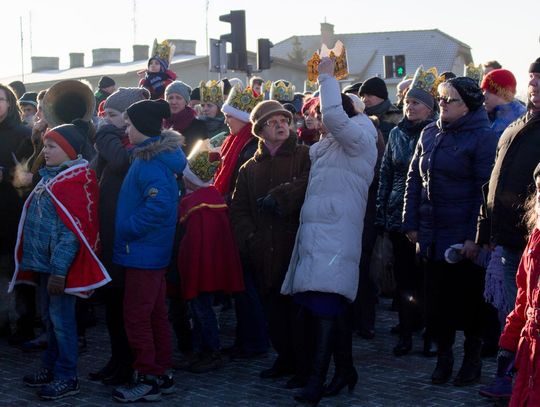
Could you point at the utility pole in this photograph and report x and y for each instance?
(22, 51)
(134, 21)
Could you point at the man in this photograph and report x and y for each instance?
(499, 88)
(518, 153)
(490, 66)
(106, 87)
(28, 104)
(374, 94)
(256, 83)
(265, 212)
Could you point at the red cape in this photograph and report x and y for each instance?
(75, 195)
(208, 258)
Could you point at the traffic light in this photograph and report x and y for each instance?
(399, 66)
(388, 66)
(263, 54)
(237, 59)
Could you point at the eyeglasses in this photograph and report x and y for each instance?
(447, 100)
(280, 122)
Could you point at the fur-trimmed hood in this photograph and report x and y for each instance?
(166, 147)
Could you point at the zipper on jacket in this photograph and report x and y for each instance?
(127, 248)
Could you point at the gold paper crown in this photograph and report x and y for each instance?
(202, 167)
(338, 54)
(244, 100)
(211, 92)
(428, 81)
(282, 91)
(267, 86)
(474, 72)
(163, 50)
(310, 86)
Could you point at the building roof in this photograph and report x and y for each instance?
(365, 51)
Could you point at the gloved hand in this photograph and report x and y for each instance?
(505, 362)
(268, 204)
(56, 285)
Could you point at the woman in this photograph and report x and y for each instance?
(310, 132)
(211, 102)
(183, 118)
(452, 161)
(419, 106)
(111, 165)
(323, 272)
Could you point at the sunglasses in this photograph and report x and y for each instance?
(448, 100)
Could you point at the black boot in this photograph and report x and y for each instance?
(345, 373)
(325, 333)
(443, 369)
(106, 371)
(471, 368)
(404, 345)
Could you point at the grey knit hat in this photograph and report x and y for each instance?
(125, 97)
(181, 88)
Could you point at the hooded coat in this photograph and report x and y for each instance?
(328, 244)
(147, 206)
(444, 184)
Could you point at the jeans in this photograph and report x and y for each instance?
(205, 325)
(510, 258)
(59, 313)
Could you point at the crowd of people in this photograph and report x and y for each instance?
(171, 202)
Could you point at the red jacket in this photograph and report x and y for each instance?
(208, 258)
(522, 331)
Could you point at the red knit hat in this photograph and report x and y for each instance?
(500, 82)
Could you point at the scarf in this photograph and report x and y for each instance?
(379, 109)
(308, 135)
(411, 128)
(180, 121)
(213, 124)
(230, 152)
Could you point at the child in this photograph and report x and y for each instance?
(145, 227)
(519, 341)
(208, 259)
(58, 238)
(157, 77)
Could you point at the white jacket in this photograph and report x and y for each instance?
(328, 244)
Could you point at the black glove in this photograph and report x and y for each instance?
(56, 284)
(505, 362)
(268, 204)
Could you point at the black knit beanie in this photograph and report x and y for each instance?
(105, 82)
(147, 116)
(535, 66)
(469, 91)
(374, 86)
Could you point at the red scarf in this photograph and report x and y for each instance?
(75, 195)
(181, 120)
(230, 152)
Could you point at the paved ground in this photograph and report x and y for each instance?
(384, 379)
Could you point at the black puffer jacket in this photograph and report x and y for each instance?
(393, 175)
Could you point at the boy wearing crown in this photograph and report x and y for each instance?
(158, 76)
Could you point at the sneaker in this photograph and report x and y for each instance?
(207, 363)
(35, 345)
(58, 389)
(499, 388)
(143, 388)
(41, 377)
(166, 383)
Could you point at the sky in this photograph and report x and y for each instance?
(509, 33)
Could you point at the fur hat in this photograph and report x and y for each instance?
(374, 86)
(125, 97)
(240, 103)
(147, 116)
(500, 82)
(180, 88)
(72, 138)
(105, 82)
(469, 91)
(263, 111)
(535, 66)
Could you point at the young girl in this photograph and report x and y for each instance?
(522, 330)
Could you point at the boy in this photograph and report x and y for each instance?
(57, 240)
(145, 227)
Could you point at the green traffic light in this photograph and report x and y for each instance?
(400, 70)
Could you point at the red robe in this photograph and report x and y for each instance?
(522, 330)
(75, 195)
(208, 258)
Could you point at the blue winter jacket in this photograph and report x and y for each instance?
(503, 115)
(147, 206)
(444, 184)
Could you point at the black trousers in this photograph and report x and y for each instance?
(279, 310)
(114, 316)
(454, 300)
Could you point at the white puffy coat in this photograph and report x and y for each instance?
(328, 244)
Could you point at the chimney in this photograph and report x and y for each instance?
(102, 56)
(140, 52)
(76, 60)
(327, 34)
(184, 47)
(45, 64)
